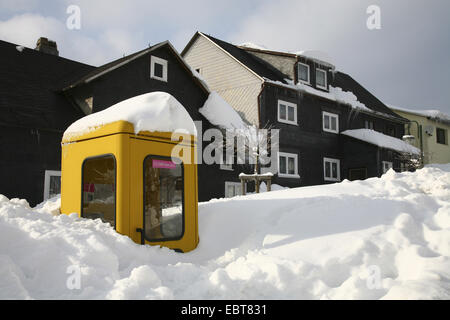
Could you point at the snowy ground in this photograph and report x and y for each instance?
(385, 238)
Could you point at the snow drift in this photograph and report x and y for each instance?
(382, 238)
(154, 111)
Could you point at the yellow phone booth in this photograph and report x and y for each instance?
(132, 182)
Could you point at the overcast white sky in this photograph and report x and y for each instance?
(405, 63)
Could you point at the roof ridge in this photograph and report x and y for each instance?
(258, 66)
(46, 54)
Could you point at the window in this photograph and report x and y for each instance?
(441, 136)
(287, 112)
(232, 189)
(369, 124)
(158, 68)
(52, 184)
(386, 166)
(303, 73)
(99, 189)
(321, 79)
(287, 165)
(331, 169)
(330, 122)
(163, 199)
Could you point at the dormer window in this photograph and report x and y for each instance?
(158, 68)
(303, 73)
(321, 79)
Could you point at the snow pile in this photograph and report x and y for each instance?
(381, 140)
(154, 111)
(382, 238)
(220, 113)
(348, 97)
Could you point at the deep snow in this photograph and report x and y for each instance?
(153, 111)
(382, 238)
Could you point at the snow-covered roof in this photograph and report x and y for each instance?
(433, 114)
(334, 94)
(252, 45)
(320, 56)
(220, 113)
(381, 140)
(154, 111)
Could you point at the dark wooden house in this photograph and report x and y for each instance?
(42, 94)
(309, 101)
(34, 113)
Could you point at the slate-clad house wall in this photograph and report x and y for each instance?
(130, 76)
(33, 115)
(41, 94)
(305, 139)
(311, 143)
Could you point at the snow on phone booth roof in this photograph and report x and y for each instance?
(133, 166)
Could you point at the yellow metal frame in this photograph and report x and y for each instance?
(130, 150)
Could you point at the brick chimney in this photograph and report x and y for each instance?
(47, 46)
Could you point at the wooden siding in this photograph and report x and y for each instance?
(235, 83)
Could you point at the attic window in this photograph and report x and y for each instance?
(158, 68)
(303, 73)
(321, 79)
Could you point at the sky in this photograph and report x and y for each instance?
(405, 62)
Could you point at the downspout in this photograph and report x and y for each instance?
(259, 103)
(419, 135)
(256, 170)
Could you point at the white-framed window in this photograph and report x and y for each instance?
(233, 189)
(386, 166)
(331, 169)
(330, 122)
(321, 79)
(228, 163)
(158, 68)
(303, 73)
(52, 183)
(287, 112)
(288, 165)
